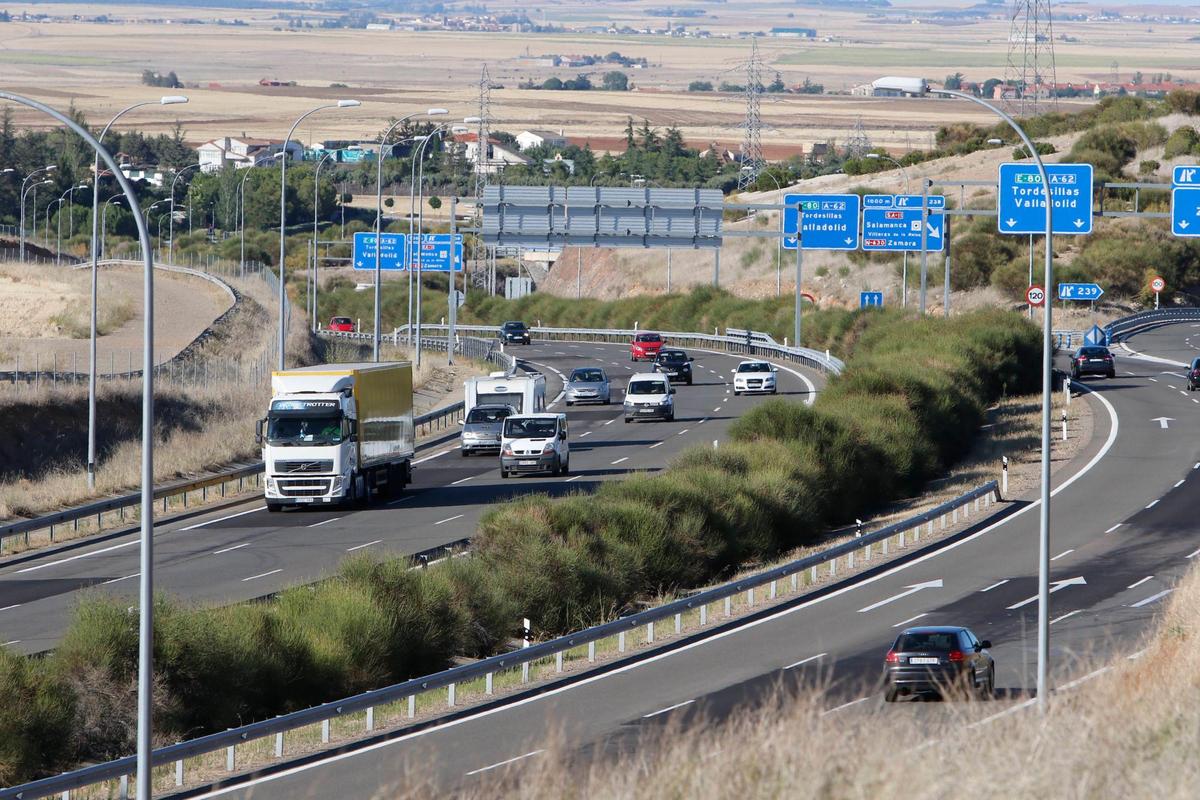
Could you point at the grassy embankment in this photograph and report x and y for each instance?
(909, 405)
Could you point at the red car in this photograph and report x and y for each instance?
(645, 346)
(341, 324)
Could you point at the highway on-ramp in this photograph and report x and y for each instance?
(1122, 534)
(245, 552)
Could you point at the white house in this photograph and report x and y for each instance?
(538, 138)
(244, 152)
(151, 175)
(498, 157)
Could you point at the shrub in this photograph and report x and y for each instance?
(1183, 142)
(36, 716)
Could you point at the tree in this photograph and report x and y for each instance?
(615, 81)
(648, 137)
(552, 83)
(953, 81)
(700, 86)
(777, 85)
(435, 202)
(989, 86)
(629, 141)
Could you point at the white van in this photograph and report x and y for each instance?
(535, 443)
(649, 396)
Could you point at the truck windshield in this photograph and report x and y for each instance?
(305, 430)
(529, 428)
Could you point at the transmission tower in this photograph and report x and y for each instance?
(858, 143)
(480, 274)
(1030, 77)
(752, 155)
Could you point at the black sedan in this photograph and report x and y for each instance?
(514, 333)
(675, 364)
(1092, 360)
(938, 660)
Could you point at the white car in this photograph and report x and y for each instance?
(648, 396)
(534, 443)
(754, 376)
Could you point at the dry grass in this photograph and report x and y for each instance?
(39, 302)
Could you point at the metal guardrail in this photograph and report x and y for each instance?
(1121, 329)
(429, 422)
(486, 668)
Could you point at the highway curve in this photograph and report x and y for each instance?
(1123, 531)
(245, 552)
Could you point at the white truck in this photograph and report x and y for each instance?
(524, 393)
(338, 433)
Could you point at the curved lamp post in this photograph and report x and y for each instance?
(116, 198)
(316, 324)
(145, 593)
(58, 221)
(171, 222)
(24, 191)
(283, 159)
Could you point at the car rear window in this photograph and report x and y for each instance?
(1093, 352)
(648, 337)
(939, 642)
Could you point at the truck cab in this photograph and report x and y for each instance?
(532, 443)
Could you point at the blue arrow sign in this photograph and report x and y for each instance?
(1186, 175)
(1096, 336)
(869, 299)
(914, 201)
(899, 229)
(1185, 211)
(830, 221)
(391, 256)
(1023, 199)
(433, 252)
(1079, 291)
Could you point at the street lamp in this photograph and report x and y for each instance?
(419, 157)
(1043, 644)
(242, 219)
(58, 220)
(283, 159)
(316, 324)
(171, 222)
(47, 168)
(904, 272)
(778, 247)
(432, 112)
(116, 198)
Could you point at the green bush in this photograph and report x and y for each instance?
(1185, 141)
(36, 715)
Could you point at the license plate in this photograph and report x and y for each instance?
(922, 660)
(304, 499)
(527, 463)
(646, 411)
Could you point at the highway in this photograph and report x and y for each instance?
(1123, 532)
(243, 552)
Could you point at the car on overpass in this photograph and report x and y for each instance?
(344, 324)
(754, 377)
(588, 385)
(1092, 360)
(515, 332)
(938, 660)
(645, 346)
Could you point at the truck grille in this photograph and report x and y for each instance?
(294, 467)
(303, 488)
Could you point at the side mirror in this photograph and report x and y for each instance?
(562, 435)
(691, 360)
(462, 421)
(258, 431)
(774, 369)
(986, 644)
(672, 390)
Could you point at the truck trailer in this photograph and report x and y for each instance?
(524, 393)
(338, 433)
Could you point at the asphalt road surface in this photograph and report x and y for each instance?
(1123, 533)
(246, 552)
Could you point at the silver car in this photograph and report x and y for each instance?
(588, 385)
(482, 427)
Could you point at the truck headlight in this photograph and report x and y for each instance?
(270, 484)
(336, 486)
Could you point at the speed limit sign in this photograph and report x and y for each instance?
(1158, 284)
(1036, 295)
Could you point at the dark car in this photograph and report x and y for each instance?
(937, 660)
(1092, 360)
(675, 364)
(514, 331)
(1193, 377)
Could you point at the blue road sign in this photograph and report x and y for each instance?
(1185, 201)
(914, 200)
(1096, 336)
(830, 221)
(868, 299)
(434, 252)
(391, 256)
(1186, 175)
(899, 229)
(1023, 199)
(1079, 291)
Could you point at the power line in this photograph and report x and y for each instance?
(1031, 79)
(752, 154)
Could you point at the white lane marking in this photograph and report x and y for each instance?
(994, 585)
(1139, 583)
(718, 408)
(222, 519)
(9, 608)
(1131, 373)
(910, 619)
(462, 480)
(845, 705)
(586, 433)
(1181, 392)
(660, 444)
(1194, 400)
(1114, 527)
(1176, 388)
(449, 519)
(1152, 598)
(1154, 379)
(619, 460)
(118, 580)
(1064, 616)
(577, 477)
(1138, 654)
(14, 641)
(682, 432)
(1153, 504)
(806, 660)
(502, 763)
(1084, 679)
(1193, 554)
(404, 499)
(1063, 553)
(262, 575)
(76, 558)
(1178, 484)
(716, 637)
(325, 522)
(361, 546)
(668, 708)
(228, 549)
(611, 421)
(1176, 374)
(704, 420)
(435, 455)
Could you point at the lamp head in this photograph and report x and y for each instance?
(172, 99)
(436, 112)
(348, 103)
(49, 167)
(472, 120)
(874, 156)
(995, 141)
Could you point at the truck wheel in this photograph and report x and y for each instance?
(273, 507)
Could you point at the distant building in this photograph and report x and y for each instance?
(540, 138)
(794, 33)
(151, 175)
(380, 26)
(244, 152)
(495, 159)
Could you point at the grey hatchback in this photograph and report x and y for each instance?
(588, 385)
(481, 428)
(938, 659)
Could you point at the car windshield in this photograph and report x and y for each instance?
(942, 641)
(305, 430)
(646, 387)
(487, 415)
(587, 376)
(672, 355)
(1093, 352)
(754, 366)
(341, 320)
(648, 337)
(514, 326)
(529, 428)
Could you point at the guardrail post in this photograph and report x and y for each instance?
(621, 642)
(885, 545)
(650, 633)
(796, 577)
(370, 718)
(229, 757)
(487, 684)
(525, 672)
(955, 513)
(943, 522)
(704, 615)
(678, 623)
(591, 652)
(450, 695)
(558, 661)
(123, 788)
(412, 706)
(728, 604)
(279, 745)
(867, 553)
(772, 595)
(931, 527)
(850, 560)
(832, 569)
(324, 731)
(750, 597)
(178, 776)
